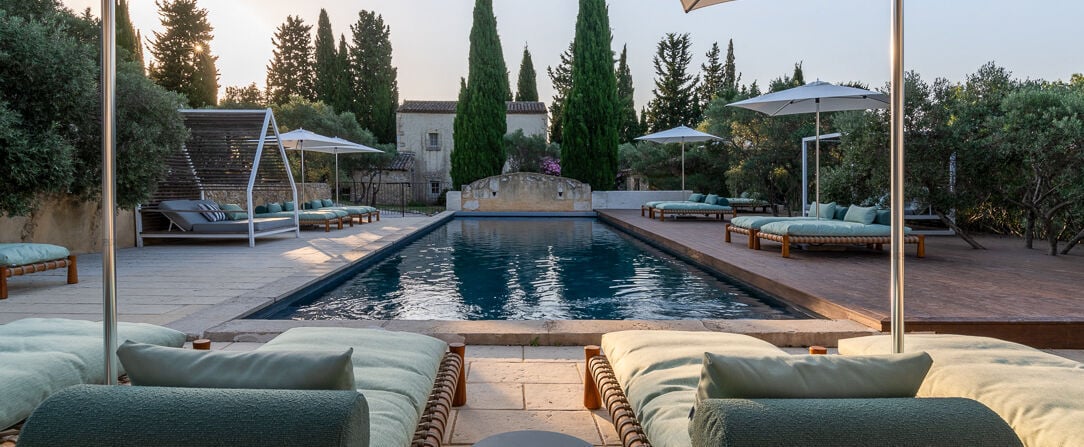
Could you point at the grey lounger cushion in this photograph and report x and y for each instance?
(121, 416)
(241, 226)
(848, 422)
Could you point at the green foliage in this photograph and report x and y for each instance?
(526, 87)
(561, 79)
(373, 78)
(301, 113)
(331, 82)
(480, 120)
(182, 53)
(731, 79)
(526, 153)
(247, 97)
(589, 144)
(291, 69)
(675, 98)
(712, 74)
(629, 127)
(127, 36)
(50, 115)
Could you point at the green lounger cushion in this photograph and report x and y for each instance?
(24, 253)
(394, 370)
(660, 370)
(132, 416)
(1040, 395)
(820, 227)
(40, 356)
(353, 210)
(150, 365)
(947, 422)
(689, 206)
(860, 214)
(811, 376)
(755, 222)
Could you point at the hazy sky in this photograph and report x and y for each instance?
(836, 40)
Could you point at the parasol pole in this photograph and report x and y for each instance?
(109, 198)
(896, 137)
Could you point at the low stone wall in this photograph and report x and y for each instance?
(631, 200)
(305, 192)
(522, 191)
(68, 222)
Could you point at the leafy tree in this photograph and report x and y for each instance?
(480, 120)
(712, 75)
(561, 78)
(1041, 133)
(526, 87)
(629, 127)
(127, 36)
(182, 53)
(331, 82)
(291, 69)
(247, 97)
(589, 143)
(528, 153)
(373, 78)
(675, 101)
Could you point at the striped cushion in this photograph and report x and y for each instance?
(215, 213)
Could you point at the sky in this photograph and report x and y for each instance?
(835, 40)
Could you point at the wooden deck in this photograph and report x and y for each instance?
(1006, 291)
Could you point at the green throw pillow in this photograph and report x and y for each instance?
(287, 206)
(151, 365)
(711, 199)
(884, 217)
(722, 201)
(827, 210)
(260, 209)
(316, 204)
(812, 376)
(234, 207)
(328, 202)
(861, 214)
(841, 212)
(274, 208)
(696, 197)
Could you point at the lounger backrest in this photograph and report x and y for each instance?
(184, 220)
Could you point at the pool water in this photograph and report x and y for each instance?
(532, 269)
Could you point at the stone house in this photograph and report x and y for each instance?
(425, 130)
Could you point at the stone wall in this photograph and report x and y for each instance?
(305, 192)
(524, 191)
(68, 222)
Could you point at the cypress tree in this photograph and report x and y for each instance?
(730, 76)
(331, 84)
(561, 78)
(675, 89)
(712, 75)
(291, 69)
(480, 120)
(373, 78)
(526, 87)
(345, 86)
(589, 145)
(629, 127)
(127, 37)
(182, 53)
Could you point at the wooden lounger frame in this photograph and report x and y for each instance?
(19, 270)
(326, 222)
(874, 242)
(449, 389)
(719, 214)
(600, 388)
(753, 243)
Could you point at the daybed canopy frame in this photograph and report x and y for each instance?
(224, 151)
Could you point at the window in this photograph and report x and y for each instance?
(434, 187)
(432, 141)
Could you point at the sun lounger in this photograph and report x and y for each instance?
(693, 209)
(750, 225)
(358, 212)
(193, 219)
(648, 208)
(834, 232)
(23, 259)
(40, 356)
(749, 204)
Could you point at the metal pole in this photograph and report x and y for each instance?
(817, 173)
(301, 144)
(682, 165)
(109, 198)
(805, 177)
(337, 203)
(896, 137)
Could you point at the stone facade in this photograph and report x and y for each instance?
(524, 191)
(68, 222)
(425, 129)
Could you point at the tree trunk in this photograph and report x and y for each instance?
(1073, 242)
(1029, 229)
(959, 232)
(1051, 235)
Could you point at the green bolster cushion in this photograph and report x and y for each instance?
(860, 214)
(812, 376)
(150, 365)
(847, 422)
(841, 212)
(123, 416)
(722, 201)
(260, 209)
(884, 217)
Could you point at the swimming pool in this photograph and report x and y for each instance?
(532, 269)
